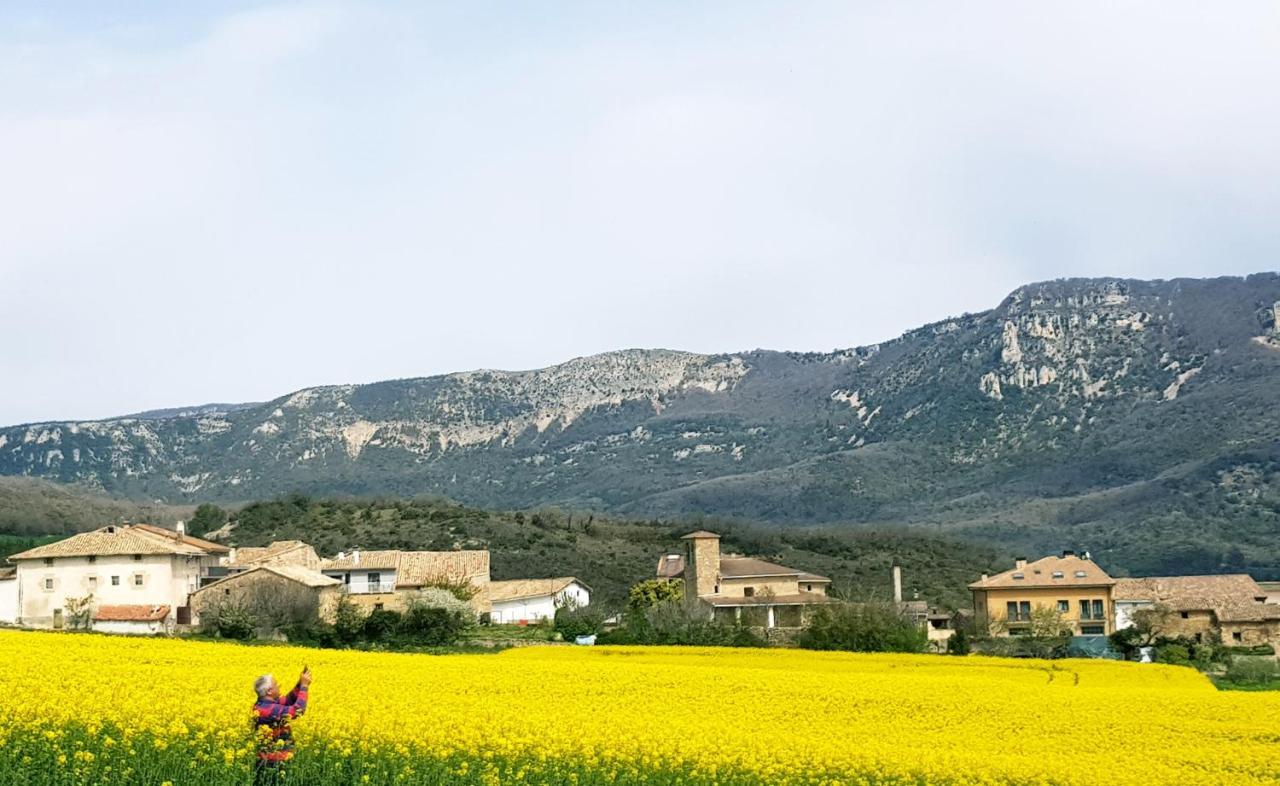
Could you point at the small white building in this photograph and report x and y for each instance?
(119, 565)
(8, 596)
(531, 600)
(134, 620)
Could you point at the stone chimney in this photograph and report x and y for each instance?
(897, 582)
(180, 528)
(701, 565)
(1020, 563)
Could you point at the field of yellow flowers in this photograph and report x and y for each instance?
(85, 709)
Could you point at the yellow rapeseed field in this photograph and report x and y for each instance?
(85, 709)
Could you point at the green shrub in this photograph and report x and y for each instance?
(673, 623)
(1175, 654)
(572, 621)
(863, 627)
(234, 622)
(1252, 671)
(958, 644)
(348, 623)
(433, 626)
(381, 624)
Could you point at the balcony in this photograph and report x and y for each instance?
(369, 589)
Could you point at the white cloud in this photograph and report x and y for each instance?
(235, 206)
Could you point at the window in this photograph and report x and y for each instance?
(377, 606)
(1019, 575)
(48, 584)
(1080, 574)
(226, 591)
(1237, 636)
(115, 581)
(748, 592)
(48, 561)
(375, 579)
(137, 579)
(93, 582)
(808, 588)
(1057, 574)
(137, 558)
(1098, 611)
(1018, 611)
(1186, 615)
(92, 559)
(1091, 630)
(1064, 606)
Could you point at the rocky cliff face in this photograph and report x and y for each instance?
(1067, 387)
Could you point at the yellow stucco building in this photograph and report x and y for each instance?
(1073, 587)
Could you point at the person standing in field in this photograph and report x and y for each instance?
(271, 716)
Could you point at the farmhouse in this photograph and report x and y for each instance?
(530, 600)
(272, 591)
(280, 552)
(389, 579)
(1232, 606)
(1073, 587)
(118, 565)
(745, 589)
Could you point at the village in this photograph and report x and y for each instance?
(143, 579)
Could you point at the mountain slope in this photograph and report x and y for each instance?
(1061, 397)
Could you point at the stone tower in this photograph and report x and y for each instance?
(701, 565)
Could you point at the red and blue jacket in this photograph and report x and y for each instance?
(276, 744)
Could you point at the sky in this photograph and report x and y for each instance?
(231, 201)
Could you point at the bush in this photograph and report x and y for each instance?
(348, 623)
(672, 622)
(433, 626)
(572, 621)
(381, 624)
(1252, 671)
(234, 622)
(958, 644)
(863, 627)
(1175, 654)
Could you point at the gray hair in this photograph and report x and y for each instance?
(263, 684)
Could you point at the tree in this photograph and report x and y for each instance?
(651, 592)
(206, 519)
(1146, 628)
(1047, 623)
(79, 612)
(348, 621)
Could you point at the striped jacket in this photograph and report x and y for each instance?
(276, 743)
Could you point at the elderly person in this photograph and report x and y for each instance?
(271, 716)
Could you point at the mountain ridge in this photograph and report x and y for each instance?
(1063, 390)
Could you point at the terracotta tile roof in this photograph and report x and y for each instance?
(1052, 571)
(363, 560)
(122, 539)
(529, 588)
(7, 574)
(304, 576)
(200, 543)
(749, 567)
(419, 568)
(130, 613)
(670, 566)
(281, 552)
(796, 599)
(1232, 597)
(699, 535)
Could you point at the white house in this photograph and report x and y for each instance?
(8, 596)
(530, 600)
(136, 620)
(119, 565)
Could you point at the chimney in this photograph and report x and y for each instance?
(1067, 553)
(984, 577)
(1020, 563)
(355, 557)
(341, 555)
(180, 528)
(897, 582)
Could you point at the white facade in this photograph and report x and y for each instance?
(9, 601)
(538, 607)
(132, 627)
(145, 579)
(1125, 610)
(361, 581)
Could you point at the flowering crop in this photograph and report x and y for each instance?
(83, 709)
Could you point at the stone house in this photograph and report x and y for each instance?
(531, 600)
(275, 591)
(389, 579)
(1231, 606)
(747, 590)
(1074, 587)
(117, 565)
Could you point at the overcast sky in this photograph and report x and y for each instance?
(232, 201)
